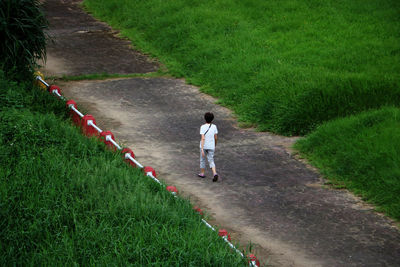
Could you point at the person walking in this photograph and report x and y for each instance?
(208, 142)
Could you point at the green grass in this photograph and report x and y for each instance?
(361, 153)
(65, 200)
(286, 66)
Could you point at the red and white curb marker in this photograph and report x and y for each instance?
(108, 138)
(89, 128)
(198, 210)
(224, 234)
(55, 90)
(172, 189)
(129, 156)
(75, 114)
(253, 260)
(128, 152)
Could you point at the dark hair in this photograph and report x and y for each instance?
(208, 117)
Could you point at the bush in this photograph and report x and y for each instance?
(22, 25)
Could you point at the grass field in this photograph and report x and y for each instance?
(289, 67)
(361, 153)
(286, 66)
(65, 200)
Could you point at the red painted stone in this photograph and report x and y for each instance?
(88, 130)
(53, 88)
(149, 169)
(171, 188)
(76, 119)
(197, 209)
(223, 232)
(253, 258)
(130, 152)
(103, 138)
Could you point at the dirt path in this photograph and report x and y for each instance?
(266, 196)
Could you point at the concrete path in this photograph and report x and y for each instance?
(83, 45)
(266, 196)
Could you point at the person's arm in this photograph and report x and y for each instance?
(216, 139)
(202, 144)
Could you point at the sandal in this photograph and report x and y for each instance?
(201, 175)
(215, 178)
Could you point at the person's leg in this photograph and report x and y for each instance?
(202, 165)
(210, 158)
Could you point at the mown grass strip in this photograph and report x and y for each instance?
(65, 200)
(361, 153)
(286, 66)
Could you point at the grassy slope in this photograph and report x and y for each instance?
(285, 65)
(64, 200)
(288, 66)
(361, 153)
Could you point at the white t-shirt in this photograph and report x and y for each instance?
(209, 142)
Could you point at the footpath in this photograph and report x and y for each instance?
(265, 195)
